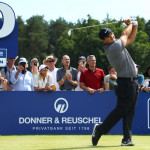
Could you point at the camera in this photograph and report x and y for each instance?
(23, 64)
(81, 63)
(67, 71)
(35, 64)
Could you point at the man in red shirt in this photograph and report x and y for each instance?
(92, 79)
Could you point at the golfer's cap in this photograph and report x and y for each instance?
(22, 59)
(82, 57)
(42, 67)
(104, 33)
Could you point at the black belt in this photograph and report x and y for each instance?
(128, 78)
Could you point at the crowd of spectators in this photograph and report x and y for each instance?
(46, 77)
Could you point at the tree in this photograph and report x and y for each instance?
(21, 36)
(147, 28)
(37, 37)
(55, 31)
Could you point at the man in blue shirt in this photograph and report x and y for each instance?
(22, 78)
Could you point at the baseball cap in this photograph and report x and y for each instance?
(42, 67)
(104, 33)
(82, 57)
(22, 59)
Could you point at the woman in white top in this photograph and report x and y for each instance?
(43, 81)
(3, 83)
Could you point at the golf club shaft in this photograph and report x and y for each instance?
(98, 25)
(69, 32)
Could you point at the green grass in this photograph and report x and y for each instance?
(70, 142)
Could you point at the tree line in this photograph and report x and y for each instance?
(40, 38)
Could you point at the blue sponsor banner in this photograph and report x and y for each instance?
(64, 112)
(8, 30)
(3, 57)
(10, 42)
(3, 53)
(148, 113)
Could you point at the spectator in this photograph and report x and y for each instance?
(67, 76)
(7, 72)
(22, 78)
(34, 64)
(43, 81)
(146, 86)
(92, 79)
(3, 83)
(51, 61)
(110, 79)
(81, 67)
(140, 78)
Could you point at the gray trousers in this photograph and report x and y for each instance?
(127, 94)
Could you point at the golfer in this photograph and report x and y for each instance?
(126, 88)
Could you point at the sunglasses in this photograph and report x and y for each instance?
(51, 61)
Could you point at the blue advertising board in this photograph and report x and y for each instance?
(3, 57)
(10, 42)
(64, 112)
(8, 31)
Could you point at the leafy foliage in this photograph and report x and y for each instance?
(39, 38)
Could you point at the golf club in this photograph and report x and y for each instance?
(69, 32)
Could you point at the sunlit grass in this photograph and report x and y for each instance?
(70, 142)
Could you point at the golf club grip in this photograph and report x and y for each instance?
(132, 19)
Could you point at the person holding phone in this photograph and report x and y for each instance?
(34, 64)
(81, 67)
(22, 78)
(67, 76)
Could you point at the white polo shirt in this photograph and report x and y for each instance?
(40, 83)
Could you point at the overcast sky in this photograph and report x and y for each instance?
(72, 10)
